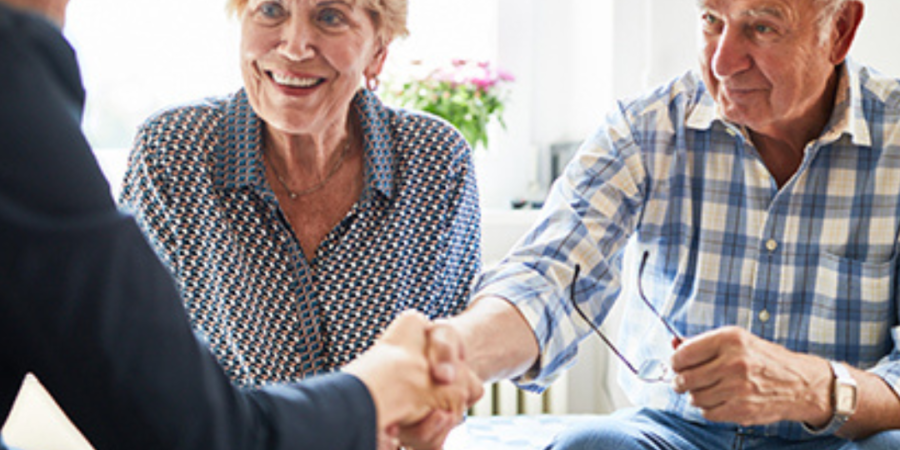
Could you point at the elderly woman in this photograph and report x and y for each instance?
(300, 214)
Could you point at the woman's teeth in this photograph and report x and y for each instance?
(290, 81)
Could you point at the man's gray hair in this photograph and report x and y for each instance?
(828, 9)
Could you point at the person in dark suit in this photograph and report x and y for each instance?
(88, 308)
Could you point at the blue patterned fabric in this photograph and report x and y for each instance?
(811, 266)
(196, 183)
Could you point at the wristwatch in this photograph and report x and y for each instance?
(843, 400)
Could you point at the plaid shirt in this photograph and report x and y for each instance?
(811, 266)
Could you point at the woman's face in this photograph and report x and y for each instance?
(302, 60)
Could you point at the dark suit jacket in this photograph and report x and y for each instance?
(87, 307)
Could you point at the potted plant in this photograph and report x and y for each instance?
(468, 94)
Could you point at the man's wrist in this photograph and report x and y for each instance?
(843, 398)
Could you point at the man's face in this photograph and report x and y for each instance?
(55, 10)
(764, 62)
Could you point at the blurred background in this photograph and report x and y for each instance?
(571, 60)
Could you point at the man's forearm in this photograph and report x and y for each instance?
(499, 343)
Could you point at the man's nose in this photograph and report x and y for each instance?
(731, 53)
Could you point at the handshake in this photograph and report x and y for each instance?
(419, 381)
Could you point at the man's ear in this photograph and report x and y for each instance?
(845, 28)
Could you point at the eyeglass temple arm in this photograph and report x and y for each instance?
(678, 338)
(594, 327)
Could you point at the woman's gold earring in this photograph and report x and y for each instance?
(372, 83)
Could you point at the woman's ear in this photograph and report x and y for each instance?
(378, 59)
(373, 70)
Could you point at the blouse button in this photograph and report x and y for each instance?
(771, 245)
(764, 316)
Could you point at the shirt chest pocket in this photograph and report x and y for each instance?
(852, 308)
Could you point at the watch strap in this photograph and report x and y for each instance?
(841, 376)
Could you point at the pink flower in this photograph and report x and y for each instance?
(473, 88)
(479, 74)
(483, 83)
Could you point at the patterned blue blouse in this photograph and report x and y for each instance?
(196, 184)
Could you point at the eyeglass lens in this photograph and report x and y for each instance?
(652, 370)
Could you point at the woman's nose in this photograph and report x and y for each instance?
(298, 41)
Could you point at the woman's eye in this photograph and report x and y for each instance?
(271, 10)
(331, 17)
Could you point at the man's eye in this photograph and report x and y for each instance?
(709, 19)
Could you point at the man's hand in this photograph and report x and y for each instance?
(734, 376)
(402, 382)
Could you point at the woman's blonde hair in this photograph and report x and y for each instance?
(389, 16)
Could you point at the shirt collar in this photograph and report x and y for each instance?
(238, 155)
(847, 116)
(375, 122)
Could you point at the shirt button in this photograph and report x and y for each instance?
(771, 245)
(764, 316)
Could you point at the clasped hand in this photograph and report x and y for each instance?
(419, 382)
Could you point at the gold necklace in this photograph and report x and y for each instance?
(294, 195)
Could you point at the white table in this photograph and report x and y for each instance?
(510, 432)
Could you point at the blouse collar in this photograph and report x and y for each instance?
(237, 160)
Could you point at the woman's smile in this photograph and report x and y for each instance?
(294, 81)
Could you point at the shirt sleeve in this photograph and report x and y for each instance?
(463, 233)
(87, 307)
(591, 212)
(145, 195)
(889, 367)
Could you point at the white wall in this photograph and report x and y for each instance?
(138, 56)
(876, 43)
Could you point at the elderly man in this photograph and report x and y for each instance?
(87, 307)
(765, 192)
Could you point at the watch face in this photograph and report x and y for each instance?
(845, 400)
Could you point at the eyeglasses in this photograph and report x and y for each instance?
(652, 370)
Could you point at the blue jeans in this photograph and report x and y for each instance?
(648, 429)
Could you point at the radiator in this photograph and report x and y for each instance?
(505, 399)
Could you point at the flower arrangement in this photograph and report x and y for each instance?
(468, 94)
